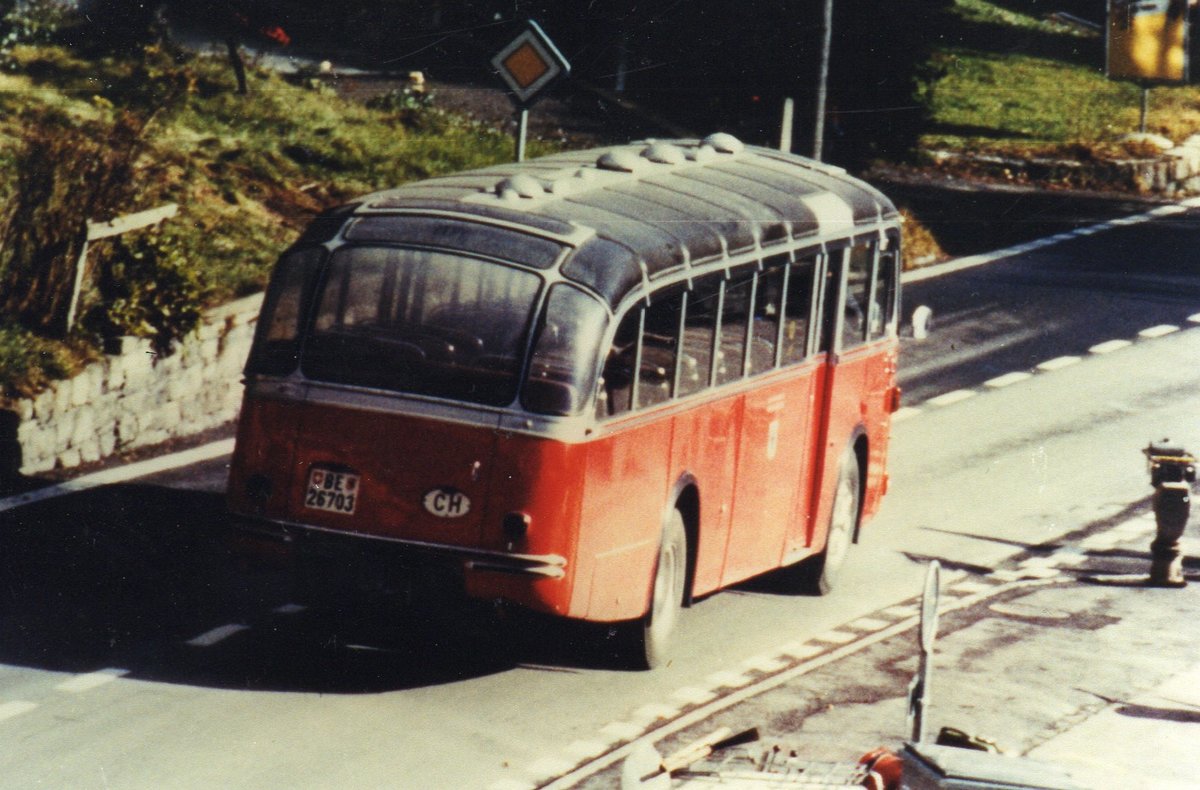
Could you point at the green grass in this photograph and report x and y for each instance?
(1013, 82)
(248, 172)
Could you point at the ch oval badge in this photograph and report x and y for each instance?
(446, 503)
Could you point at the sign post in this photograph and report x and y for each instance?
(1147, 43)
(528, 65)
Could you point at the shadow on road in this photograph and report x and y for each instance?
(141, 577)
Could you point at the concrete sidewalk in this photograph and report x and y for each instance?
(1063, 655)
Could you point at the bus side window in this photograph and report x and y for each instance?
(700, 326)
(660, 345)
(883, 298)
(858, 281)
(735, 313)
(616, 380)
(767, 298)
(798, 311)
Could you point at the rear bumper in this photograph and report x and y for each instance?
(307, 539)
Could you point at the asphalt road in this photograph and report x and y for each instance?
(135, 651)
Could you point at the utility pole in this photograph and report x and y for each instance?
(823, 80)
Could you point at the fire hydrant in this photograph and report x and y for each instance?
(1172, 471)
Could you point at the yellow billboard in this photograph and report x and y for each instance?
(1147, 40)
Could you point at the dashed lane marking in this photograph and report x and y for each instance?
(954, 396)
(653, 712)
(290, 608)
(1008, 379)
(905, 413)
(91, 680)
(1194, 318)
(1058, 363)
(1157, 331)
(1109, 346)
(218, 634)
(586, 750)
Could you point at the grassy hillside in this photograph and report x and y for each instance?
(246, 171)
(1012, 80)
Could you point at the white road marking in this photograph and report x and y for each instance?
(15, 708)
(1194, 318)
(91, 680)
(904, 413)
(766, 664)
(691, 695)
(622, 730)
(1109, 346)
(973, 586)
(121, 474)
(972, 261)
(728, 679)
(218, 634)
(585, 750)
(1058, 363)
(653, 712)
(290, 608)
(868, 624)
(901, 611)
(801, 649)
(954, 396)
(549, 767)
(836, 637)
(1158, 331)
(1008, 379)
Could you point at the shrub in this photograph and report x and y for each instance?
(67, 172)
(148, 288)
(28, 363)
(33, 21)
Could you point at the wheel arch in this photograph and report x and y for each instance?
(861, 445)
(685, 497)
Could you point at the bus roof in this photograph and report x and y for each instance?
(634, 213)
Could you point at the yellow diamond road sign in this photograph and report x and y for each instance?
(529, 63)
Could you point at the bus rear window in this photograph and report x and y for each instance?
(562, 370)
(276, 348)
(421, 322)
(469, 236)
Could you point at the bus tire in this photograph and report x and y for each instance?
(843, 526)
(653, 633)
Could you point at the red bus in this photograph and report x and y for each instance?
(599, 384)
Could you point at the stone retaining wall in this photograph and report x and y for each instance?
(1175, 173)
(135, 398)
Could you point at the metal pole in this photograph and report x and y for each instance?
(785, 128)
(822, 81)
(522, 130)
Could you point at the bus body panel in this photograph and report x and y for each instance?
(400, 460)
(624, 502)
(879, 394)
(801, 525)
(543, 480)
(705, 447)
(260, 473)
(770, 457)
(844, 407)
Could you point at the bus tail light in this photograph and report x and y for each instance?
(516, 527)
(893, 400)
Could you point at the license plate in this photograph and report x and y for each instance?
(334, 492)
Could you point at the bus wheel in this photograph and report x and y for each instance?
(653, 633)
(843, 523)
